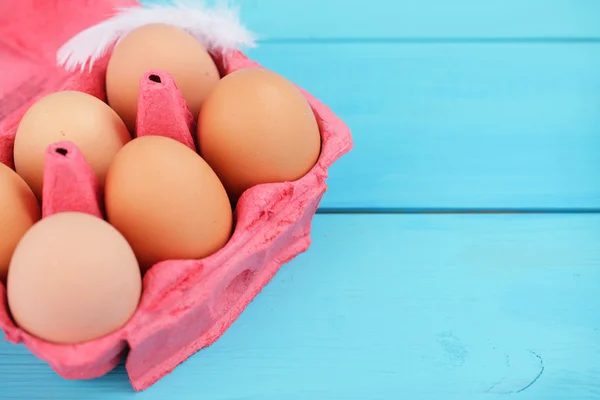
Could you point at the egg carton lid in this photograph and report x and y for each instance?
(29, 44)
(38, 57)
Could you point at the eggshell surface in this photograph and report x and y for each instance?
(19, 210)
(158, 47)
(256, 127)
(72, 116)
(73, 278)
(167, 201)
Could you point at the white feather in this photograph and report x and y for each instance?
(217, 28)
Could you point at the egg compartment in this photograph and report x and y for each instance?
(186, 304)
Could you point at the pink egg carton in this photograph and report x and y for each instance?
(186, 304)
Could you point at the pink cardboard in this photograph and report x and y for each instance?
(157, 91)
(69, 182)
(186, 304)
(31, 31)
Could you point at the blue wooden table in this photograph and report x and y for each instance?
(457, 252)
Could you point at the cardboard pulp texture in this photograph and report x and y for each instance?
(186, 305)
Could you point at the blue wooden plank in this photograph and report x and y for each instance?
(457, 126)
(277, 19)
(390, 307)
(428, 18)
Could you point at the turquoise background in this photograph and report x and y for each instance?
(420, 284)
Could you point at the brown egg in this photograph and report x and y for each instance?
(257, 127)
(19, 210)
(73, 278)
(80, 118)
(167, 201)
(158, 47)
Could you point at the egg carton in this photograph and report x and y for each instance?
(186, 305)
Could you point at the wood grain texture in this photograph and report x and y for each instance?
(388, 307)
(454, 105)
(457, 126)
